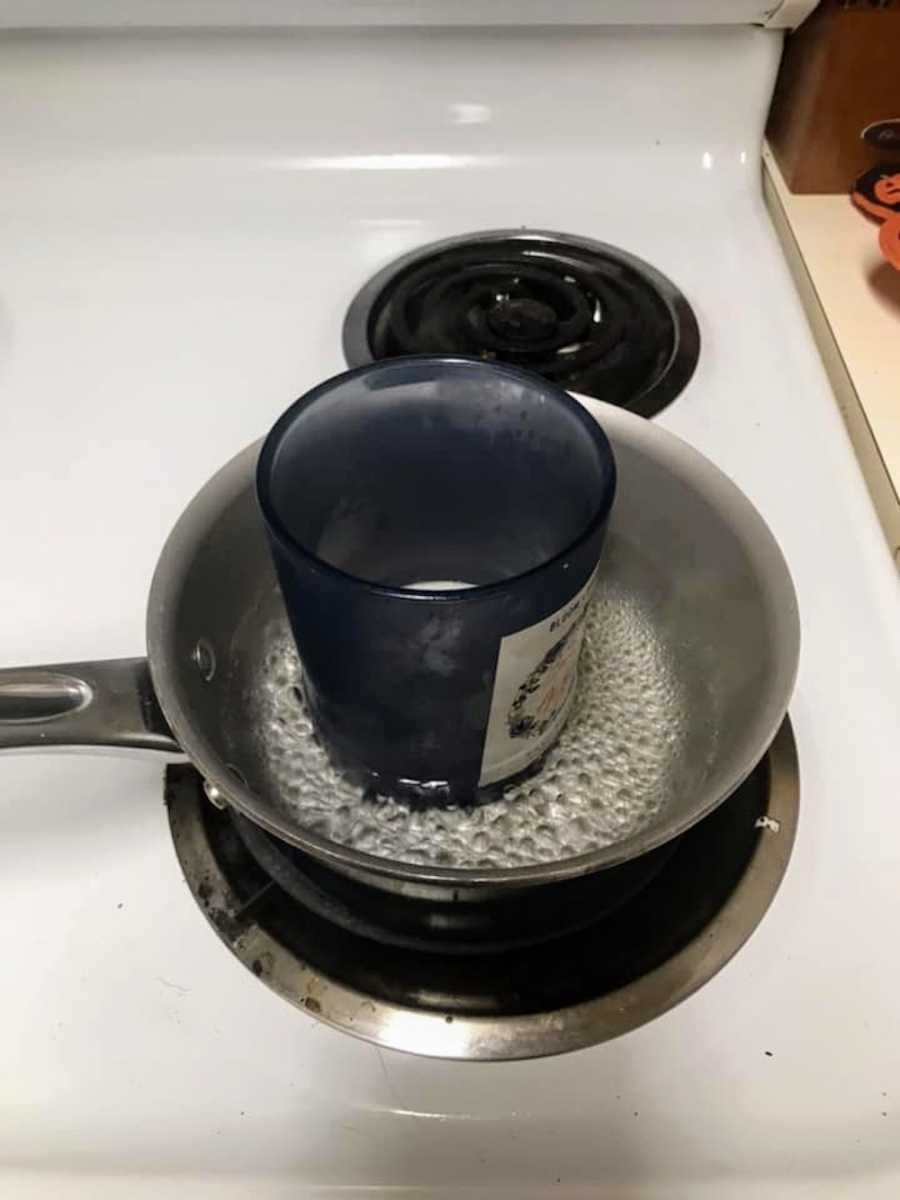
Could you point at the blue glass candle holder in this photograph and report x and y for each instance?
(436, 524)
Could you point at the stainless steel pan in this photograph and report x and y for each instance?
(705, 564)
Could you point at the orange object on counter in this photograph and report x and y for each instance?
(877, 192)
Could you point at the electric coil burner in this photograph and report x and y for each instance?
(588, 316)
(497, 975)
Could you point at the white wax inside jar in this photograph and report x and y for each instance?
(438, 585)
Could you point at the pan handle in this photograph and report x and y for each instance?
(100, 705)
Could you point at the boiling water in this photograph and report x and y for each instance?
(605, 779)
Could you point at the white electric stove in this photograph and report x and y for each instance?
(185, 216)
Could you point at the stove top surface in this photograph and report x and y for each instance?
(180, 246)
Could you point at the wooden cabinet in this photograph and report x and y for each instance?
(840, 74)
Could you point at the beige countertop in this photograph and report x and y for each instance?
(852, 300)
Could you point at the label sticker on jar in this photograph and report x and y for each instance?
(533, 688)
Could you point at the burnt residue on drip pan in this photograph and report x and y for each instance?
(591, 983)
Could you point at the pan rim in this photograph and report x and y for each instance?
(619, 424)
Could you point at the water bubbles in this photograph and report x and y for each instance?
(607, 777)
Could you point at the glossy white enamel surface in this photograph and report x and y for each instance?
(204, 14)
(183, 221)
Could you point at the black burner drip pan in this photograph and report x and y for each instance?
(569, 943)
(479, 921)
(589, 316)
